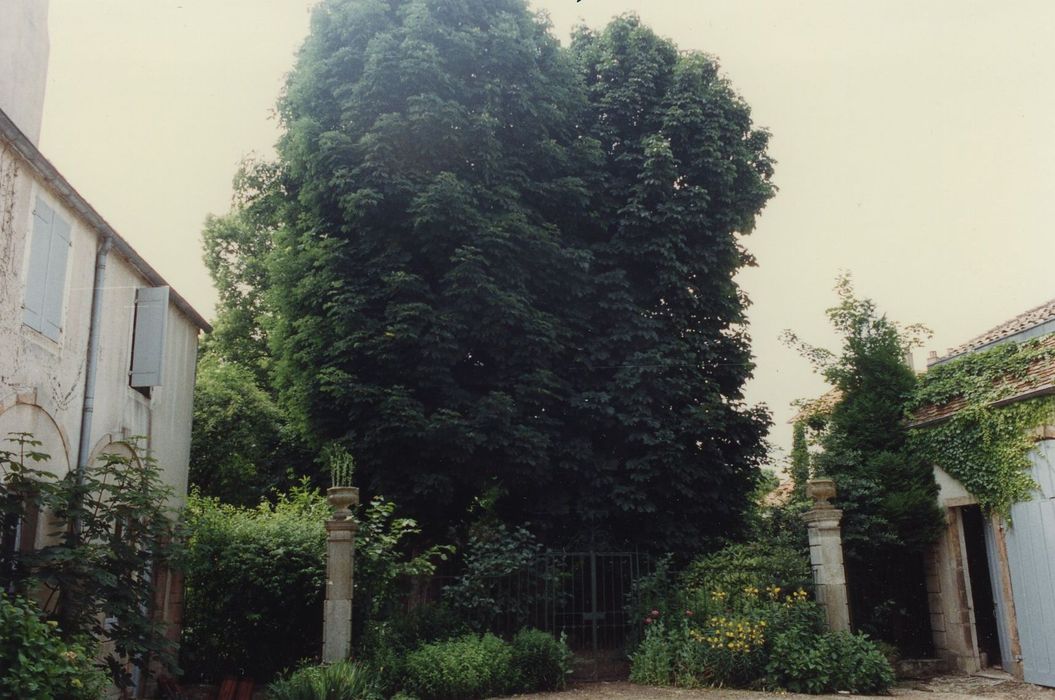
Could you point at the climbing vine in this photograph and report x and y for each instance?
(985, 445)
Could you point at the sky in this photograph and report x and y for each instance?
(914, 145)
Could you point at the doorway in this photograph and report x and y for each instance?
(987, 629)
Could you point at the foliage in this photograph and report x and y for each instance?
(255, 579)
(668, 591)
(752, 564)
(653, 662)
(540, 662)
(114, 527)
(984, 446)
(241, 445)
(254, 585)
(800, 458)
(339, 681)
(37, 664)
(828, 663)
(461, 669)
(740, 617)
(386, 642)
(493, 553)
(341, 464)
(381, 560)
(886, 491)
(493, 263)
(755, 637)
(236, 248)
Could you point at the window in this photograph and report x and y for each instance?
(46, 277)
(148, 338)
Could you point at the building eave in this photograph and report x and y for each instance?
(62, 188)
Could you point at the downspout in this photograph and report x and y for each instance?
(94, 322)
(85, 446)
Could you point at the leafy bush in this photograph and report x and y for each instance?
(461, 669)
(255, 579)
(756, 637)
(113, 525)
(492, 554)
(36, 663)
(653, 662)
(254, 585)
(339, 681)
(827, 663)
(754, 564)
(386, 643)
(540, 662)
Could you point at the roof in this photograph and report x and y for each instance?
(73, 199)
(820, 406)
(1039, 381)
(1037, 316)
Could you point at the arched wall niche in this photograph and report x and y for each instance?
(20, 412)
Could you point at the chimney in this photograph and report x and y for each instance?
(24, 63)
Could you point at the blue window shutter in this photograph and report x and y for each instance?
(55, 286)
(148, 338)
(37, 274)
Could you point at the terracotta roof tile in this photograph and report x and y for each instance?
(1024, 321)
(1040, 379)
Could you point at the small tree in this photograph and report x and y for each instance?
(115, 527)
(888, 495)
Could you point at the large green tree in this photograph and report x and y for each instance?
(503, 270)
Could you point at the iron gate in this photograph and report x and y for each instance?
(585, 595)
(592, 596)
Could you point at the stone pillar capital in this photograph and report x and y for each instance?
(820, 517)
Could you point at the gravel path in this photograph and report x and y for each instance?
(942, 688)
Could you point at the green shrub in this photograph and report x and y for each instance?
(254, 585)
(95, 571)
(756, 637)
(829, 662)
(36, 663)
(255, 580)
(339, 681)
(386, 643)
(755, 564)
(653, 662)
(540, 662)
(461, 669)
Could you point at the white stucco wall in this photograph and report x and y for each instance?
(24, 62)
(42, 381)
(951, 492)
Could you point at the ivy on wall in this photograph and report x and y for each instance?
(985, 446)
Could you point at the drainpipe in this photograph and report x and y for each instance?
(94, 322)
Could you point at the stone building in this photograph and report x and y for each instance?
(991, 582)
(95, 347)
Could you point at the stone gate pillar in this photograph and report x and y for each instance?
(826, 554)
(340, 570)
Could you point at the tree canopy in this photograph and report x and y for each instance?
(502, 271)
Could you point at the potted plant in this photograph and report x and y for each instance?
(341, 494)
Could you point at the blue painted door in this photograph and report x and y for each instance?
(1031, 559)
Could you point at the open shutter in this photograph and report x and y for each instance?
(55, 286)
(148, 340)
(37, 274)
